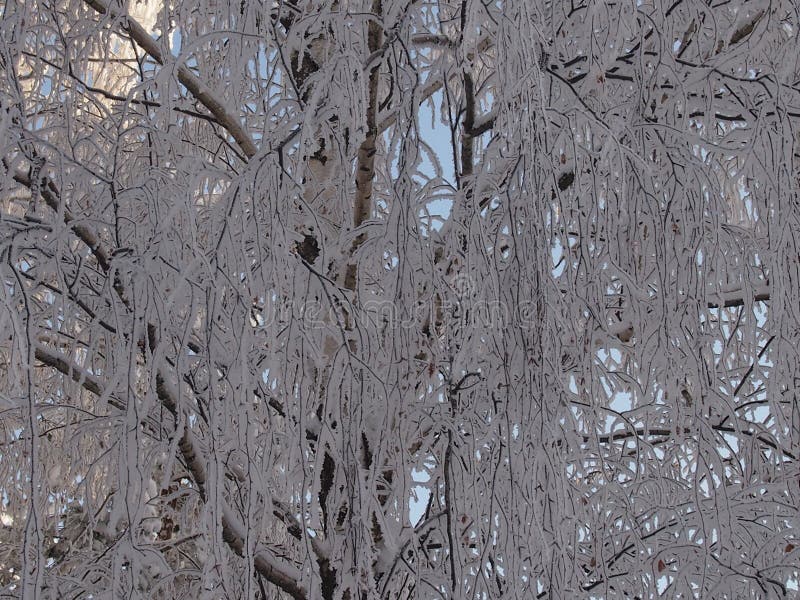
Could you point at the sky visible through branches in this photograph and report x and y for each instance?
(354, 299)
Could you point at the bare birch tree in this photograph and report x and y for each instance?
(351, 299)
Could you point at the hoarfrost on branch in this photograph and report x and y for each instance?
(351, 299)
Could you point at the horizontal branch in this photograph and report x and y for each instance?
(735, 297)
(116, 97)
(644, 433)
(730, 298)
(761, 437)
(433, 39)
(72, 370)
(483, 123)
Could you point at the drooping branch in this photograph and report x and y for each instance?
(500, 437)
(109, 95)
(267, 564)
(284, 576)
(193, 83)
